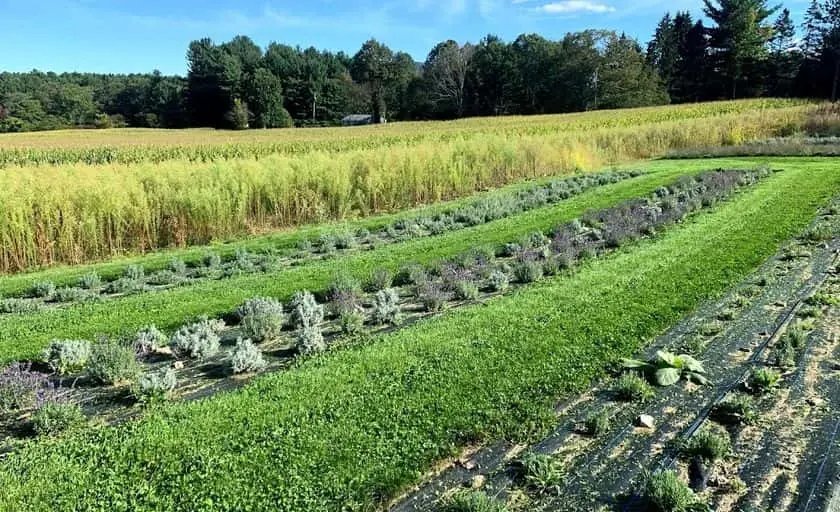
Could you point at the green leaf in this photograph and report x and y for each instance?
(666, 376)
(691, 364)
(666, 358)
(633, 364)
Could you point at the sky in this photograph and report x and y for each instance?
(125, 36)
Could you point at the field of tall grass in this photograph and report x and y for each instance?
(73, 212)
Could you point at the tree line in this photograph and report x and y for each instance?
(749, 49)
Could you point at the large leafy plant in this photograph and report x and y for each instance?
(666, 369)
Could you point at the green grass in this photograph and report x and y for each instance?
(353, 427)
(22, 336)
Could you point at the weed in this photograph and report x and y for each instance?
(665, 492)
(597, 424)
(352, 320)
(736, 410)
(822, 299)
(709, 444)
(666, 369)
(710, 329)
(541, 472)
(809, 312)
(470, 501)
(631, 386)
(727, 315)
(763, 380)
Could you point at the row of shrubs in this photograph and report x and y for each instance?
(462, 278)
(134, 279)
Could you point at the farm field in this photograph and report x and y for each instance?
(66, 206)
(548, 321)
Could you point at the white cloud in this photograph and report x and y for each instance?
(574, 6)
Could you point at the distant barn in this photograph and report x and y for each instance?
(358, 120)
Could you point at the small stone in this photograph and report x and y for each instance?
(467, 464)
(646, 421)
(478, 481)
(178, 365)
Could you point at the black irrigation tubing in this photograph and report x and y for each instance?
(787, 318)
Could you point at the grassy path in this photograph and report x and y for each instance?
(353, 427)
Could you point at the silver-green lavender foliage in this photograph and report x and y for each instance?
(352, 320)
(311, 340)
(262, 318)
(498, 281)
(20, 306)
(211, 260)
(155, 386)
(67, 356)
(246, 357)
(90, 281)
(111, 362)
(148, 340)
(44, 290)
(386, 307)
(305, 310)
(177, 266)
(134, 272)
(73, 294)
(55, 417)
(197, 341)
(466, 290)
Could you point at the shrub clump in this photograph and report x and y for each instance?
(43, 290)
(246, 357)
(66, 356)
(197, 341)
(498, 281)
(352, 320)
(598, 423)
(112, 362)
(380, 279)
(527, 271)
(20, 306)
(262, 319)
(155, 386)
(148, 340)
(431, 295)
(386, 307)
(134, 272)
(18, 386)
(305, 310)
(73, 294)
(466, 290)
(90, 281)
(311, 340)
(54, 417)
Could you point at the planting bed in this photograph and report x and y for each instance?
(783, 455)
(352, 428)
(476, 275)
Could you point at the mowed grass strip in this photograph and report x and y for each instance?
(23, 336)
(348, 430)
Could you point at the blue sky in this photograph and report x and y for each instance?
(141, 35)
